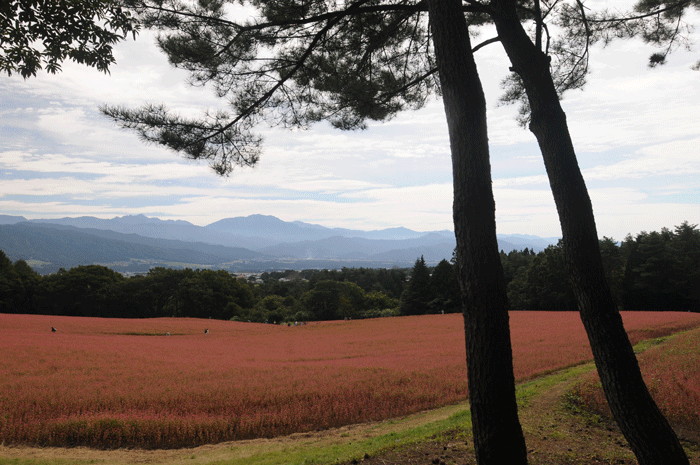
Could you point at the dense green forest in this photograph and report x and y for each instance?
(654, 271)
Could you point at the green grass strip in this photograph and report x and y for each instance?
(310, 453)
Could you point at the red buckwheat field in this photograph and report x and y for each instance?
(127, 383)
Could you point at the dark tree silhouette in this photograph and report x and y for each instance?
(418, 292)
(645, 428)
(36, 34)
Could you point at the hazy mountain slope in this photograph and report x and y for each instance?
(255, 232)
(431, 253)
(222, 252)
(261, 232)
(69, 247)
(434, 246)
(352, 248)
(8, 219)
(521, 241)
(160, 229)
(262, 242)
(274, 229)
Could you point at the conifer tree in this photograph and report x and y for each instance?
(418, 293)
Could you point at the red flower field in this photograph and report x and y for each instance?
(118, 383)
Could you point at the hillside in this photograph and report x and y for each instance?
(61, 246)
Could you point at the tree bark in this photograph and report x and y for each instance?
(645, 428)
(498, 437)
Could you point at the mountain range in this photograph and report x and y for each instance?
(252, 243)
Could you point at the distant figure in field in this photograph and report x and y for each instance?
(53, 330)
(168, 333)
(206, 331)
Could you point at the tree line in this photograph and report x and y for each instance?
(654, 271)
(97, 291)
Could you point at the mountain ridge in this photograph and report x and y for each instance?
(253, 242)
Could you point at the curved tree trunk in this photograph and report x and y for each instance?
(647, 431)
(498, 437)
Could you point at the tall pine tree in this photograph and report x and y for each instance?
(416, 298)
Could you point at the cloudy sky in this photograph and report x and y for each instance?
(636, 132)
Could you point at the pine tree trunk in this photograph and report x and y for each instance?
(647, 431)
(498, 437)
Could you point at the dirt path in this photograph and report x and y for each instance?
(554, 436)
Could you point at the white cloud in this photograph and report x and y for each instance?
(330, 186)
(628, 104)
(674, 158)
(538, 180)
(56, 209)
(107, 170)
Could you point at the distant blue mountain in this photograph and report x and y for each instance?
(353, 247)
(522, 241)
(7, 219)
(257, 240)
(163, 229)
(274, 229)
(68, 246)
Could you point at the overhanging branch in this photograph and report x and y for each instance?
(300, 62)
(677, 6)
